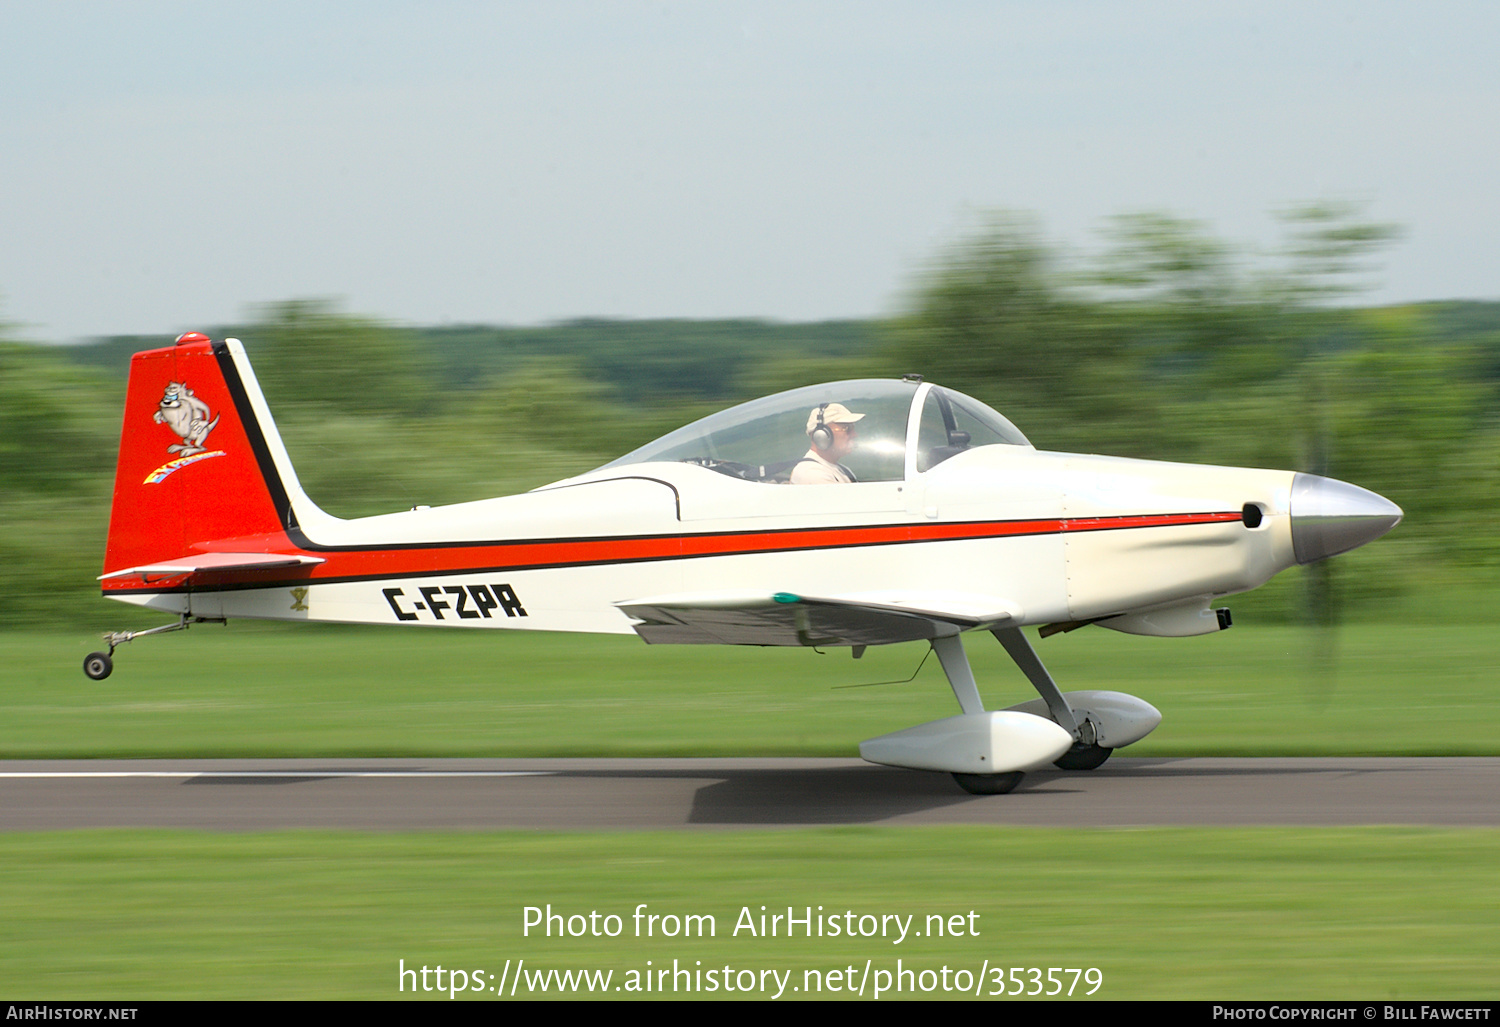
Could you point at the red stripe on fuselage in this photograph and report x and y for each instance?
(1148, 521)
(374, 562)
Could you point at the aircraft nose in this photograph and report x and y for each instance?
(1331, 517)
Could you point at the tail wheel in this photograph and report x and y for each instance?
(98, 665)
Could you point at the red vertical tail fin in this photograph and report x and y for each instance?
(200, 460)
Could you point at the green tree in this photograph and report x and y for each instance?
(996, 318)
(1328, 254)
(53, 432)
(59, 426)
(309, 355)
(1158, 259)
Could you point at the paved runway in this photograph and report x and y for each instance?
(612, 794)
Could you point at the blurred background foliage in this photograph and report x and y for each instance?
(1163, 342)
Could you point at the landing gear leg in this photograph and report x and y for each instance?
(99, 665)
(1086, 753)
(986, 751)
(955, 661)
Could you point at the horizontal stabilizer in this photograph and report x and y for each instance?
(215, 562)
(784, 618)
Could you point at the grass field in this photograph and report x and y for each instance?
(250, 689)
(1184, 914)
(1368, 914)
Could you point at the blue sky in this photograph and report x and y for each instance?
(165, 166)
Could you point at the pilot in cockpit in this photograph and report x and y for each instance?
(830, 430)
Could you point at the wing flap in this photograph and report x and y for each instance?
(784, 618)
(215, 562)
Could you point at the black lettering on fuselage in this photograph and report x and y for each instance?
(508, 601)
(390, 597)
(485, 599)
(436, 605)
(462, 608)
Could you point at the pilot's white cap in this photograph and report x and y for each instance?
(831, 413)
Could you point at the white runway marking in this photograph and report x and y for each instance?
(651, 794)
(273, 773)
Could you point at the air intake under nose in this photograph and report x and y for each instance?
(1331, 517)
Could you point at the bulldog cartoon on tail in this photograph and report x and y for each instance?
(187, 415)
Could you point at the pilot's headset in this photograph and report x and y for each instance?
(822, 435)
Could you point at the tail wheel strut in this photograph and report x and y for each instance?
(98, 666)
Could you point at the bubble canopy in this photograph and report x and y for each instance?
(907, 427)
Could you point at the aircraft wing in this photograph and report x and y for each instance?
(785, 618)
(214, 562)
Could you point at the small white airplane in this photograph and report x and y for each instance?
(918, 514)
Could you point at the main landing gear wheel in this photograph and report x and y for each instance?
(988, 784)
(98, 665)
(1082, 757)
